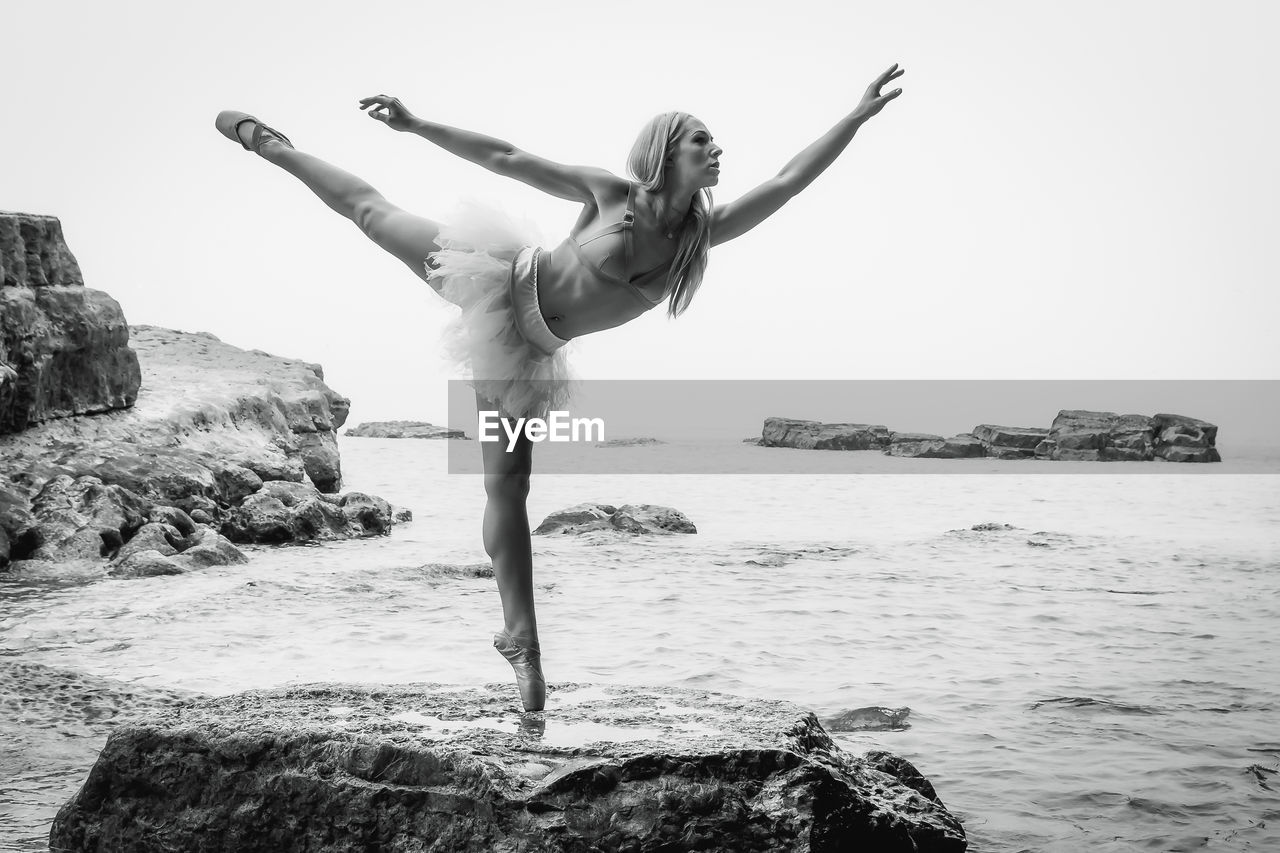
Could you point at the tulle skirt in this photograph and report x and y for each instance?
(487, 266)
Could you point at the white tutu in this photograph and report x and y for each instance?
(474, 270)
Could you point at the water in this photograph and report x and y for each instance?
(1101, 674)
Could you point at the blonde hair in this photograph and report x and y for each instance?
(648, 157)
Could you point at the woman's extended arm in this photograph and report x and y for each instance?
(576, 183)
(740, 216)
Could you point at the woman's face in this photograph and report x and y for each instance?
(695, 158)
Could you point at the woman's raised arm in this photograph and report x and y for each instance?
(740, 216)
(576, 183)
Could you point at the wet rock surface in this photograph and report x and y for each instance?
(405, 429)
(638, 519)
(417, 767)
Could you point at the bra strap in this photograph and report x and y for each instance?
(628, 224)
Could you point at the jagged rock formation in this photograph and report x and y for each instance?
(64, 349)
(632, 518)
(404, 429)
(344, 768)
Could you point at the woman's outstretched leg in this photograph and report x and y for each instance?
(509, 544)
(406, 236)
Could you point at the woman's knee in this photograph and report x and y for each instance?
(507, 487)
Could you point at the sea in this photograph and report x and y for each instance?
(1087, 652)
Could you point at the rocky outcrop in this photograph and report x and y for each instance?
(637, 519)
(1075, 435)
(397, 769)
(1179, 438)
(919, 445)
(812, 435)
(64, 349)
(1002, 442)
(404, 429)
(213, 427)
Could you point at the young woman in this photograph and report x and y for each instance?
(636, 244)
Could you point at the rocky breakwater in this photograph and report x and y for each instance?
(207, 444)
(1075, 435)
(340, 768)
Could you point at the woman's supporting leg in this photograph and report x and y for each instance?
(506, 531)
(409, 238)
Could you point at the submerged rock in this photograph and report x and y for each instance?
(632, 518)
(341, 768)
(404, 429)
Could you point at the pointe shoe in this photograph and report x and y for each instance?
(229, 121)
(527, 663)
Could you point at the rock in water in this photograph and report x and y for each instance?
(64, 349)
(812, 435)
(404, 429)
(340, 768)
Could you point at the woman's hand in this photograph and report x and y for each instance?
(389, 111)
(873, 102)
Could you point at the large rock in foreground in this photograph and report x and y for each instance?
(64, 349)
(339, 768)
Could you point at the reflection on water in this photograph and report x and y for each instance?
(1095, 670)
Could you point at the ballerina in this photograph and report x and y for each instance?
(636, 244)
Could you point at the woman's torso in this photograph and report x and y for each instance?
(593, 280)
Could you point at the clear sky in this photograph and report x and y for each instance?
(1064, 191)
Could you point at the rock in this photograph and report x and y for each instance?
(154, 536)
(418, 767)
(185, 524)
(372, 514)
(404, 429)
(64, 349)
(235, 482)
(919, 445)
(1179, 438)
(78, 519)
(401, 515)
(647, 518)
(585, 516)
(1079, 435)
(297, 512)
(872, 719)
(145, 564)
(632, 518)
(629, 442)
(1002, 442)
(812, 435)
(206, 547)
(203, 407)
